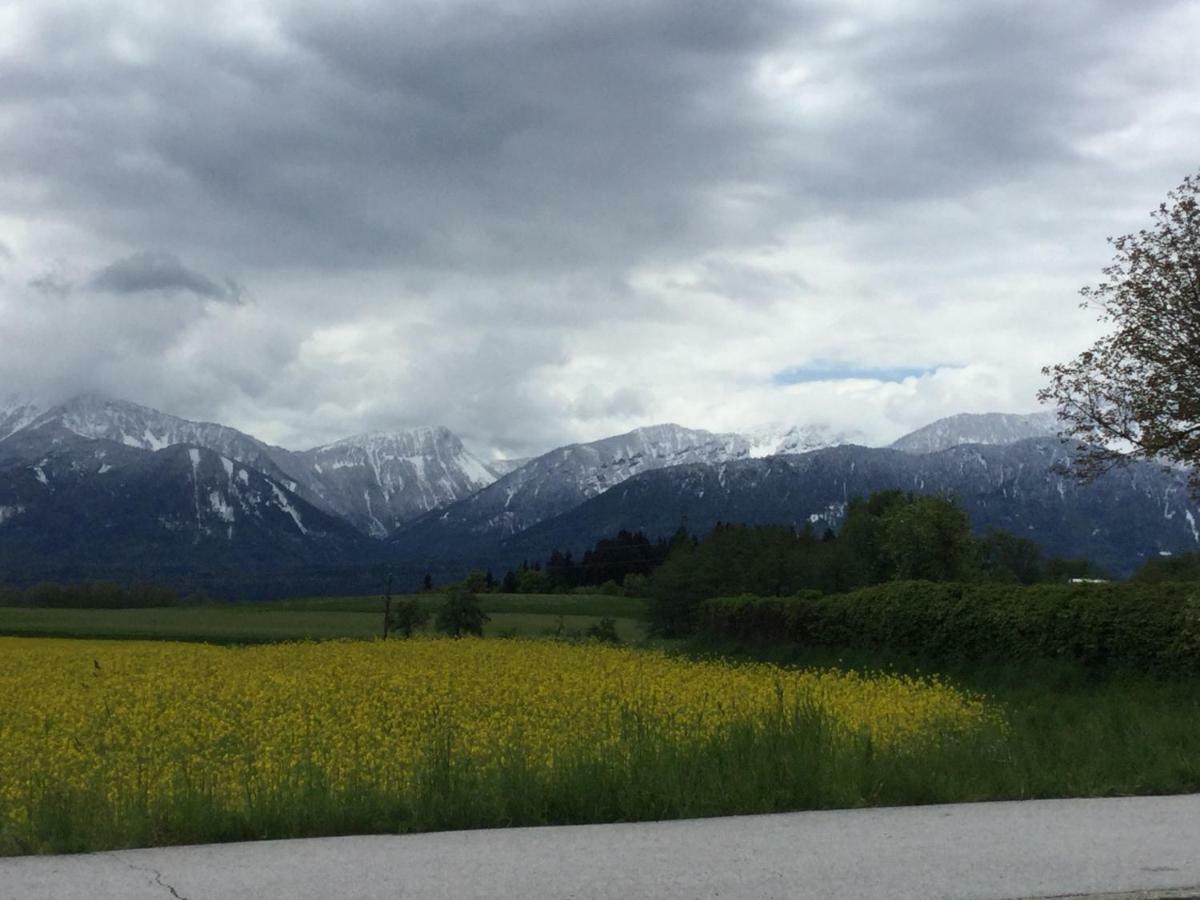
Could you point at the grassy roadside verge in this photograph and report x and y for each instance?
(1072, 732)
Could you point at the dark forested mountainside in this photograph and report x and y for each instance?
(1119, 521)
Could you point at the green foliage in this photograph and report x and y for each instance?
(635, 585)
(461, 613)
(1135, 393)
(1150, 628)
(605, 630)
(611, 559)
(91, 595)
(533, 581)
(476, 582)
(1185, 567)
(407, 615)
(891, 535)
(927, 538)
(1006, 557)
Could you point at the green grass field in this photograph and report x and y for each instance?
(321, 618)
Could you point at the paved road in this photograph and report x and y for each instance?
(1045, 848)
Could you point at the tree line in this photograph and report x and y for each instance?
(889, 536)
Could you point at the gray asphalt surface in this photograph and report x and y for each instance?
(1131, 847)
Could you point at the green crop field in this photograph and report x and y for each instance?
(321, 618)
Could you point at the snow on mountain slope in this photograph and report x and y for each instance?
(776, 438)
(183, 508)
(121, 422)
(380, 480)
(503, 466)
(585, 470)
(376, 481)
(982, 428)
(556, 481)
(1118, 521)
(16, 412)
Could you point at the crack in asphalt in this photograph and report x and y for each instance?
(158, 879)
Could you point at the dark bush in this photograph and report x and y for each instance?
(1153, 628)
(91, 595)
(604, 631)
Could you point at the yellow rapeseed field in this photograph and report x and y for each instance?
(144, 723)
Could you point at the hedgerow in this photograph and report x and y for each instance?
(1151, 628)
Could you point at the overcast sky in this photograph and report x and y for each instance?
(538, 222)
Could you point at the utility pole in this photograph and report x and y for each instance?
(387, 607)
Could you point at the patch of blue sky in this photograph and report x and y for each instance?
(826, 370)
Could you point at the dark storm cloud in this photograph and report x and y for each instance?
(949, 98)
(507, 215)
(447, 135)
(545, 135)
(163, 272)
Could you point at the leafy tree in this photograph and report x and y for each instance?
(1006, 557)
(1184, 567)
(635, 585)
(862, 559)
(1135, 394)
(928, 538)
(604, 631)
(509, 585)
(532, 581)
(460, 613)
(427, 585)
(407, 616)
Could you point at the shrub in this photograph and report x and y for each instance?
(1153, 628)
(407, 616)
(605, 631)
(461, 614)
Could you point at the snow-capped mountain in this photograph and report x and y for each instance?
(153, 513)
(563, 478)
(1120, 520)
(378, 481)
(978, 428)
(503, 466)
(132, 425)
(16, 413)
(776, 438)
(97, 487)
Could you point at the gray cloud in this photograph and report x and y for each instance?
(52, 282)
(163, 272)
(538, 220)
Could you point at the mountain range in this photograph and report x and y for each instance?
(100, 487)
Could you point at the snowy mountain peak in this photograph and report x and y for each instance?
(409, 441)
(978, 428)
(775, 438)
(16, 412)
(120, 421)
(379, 480)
